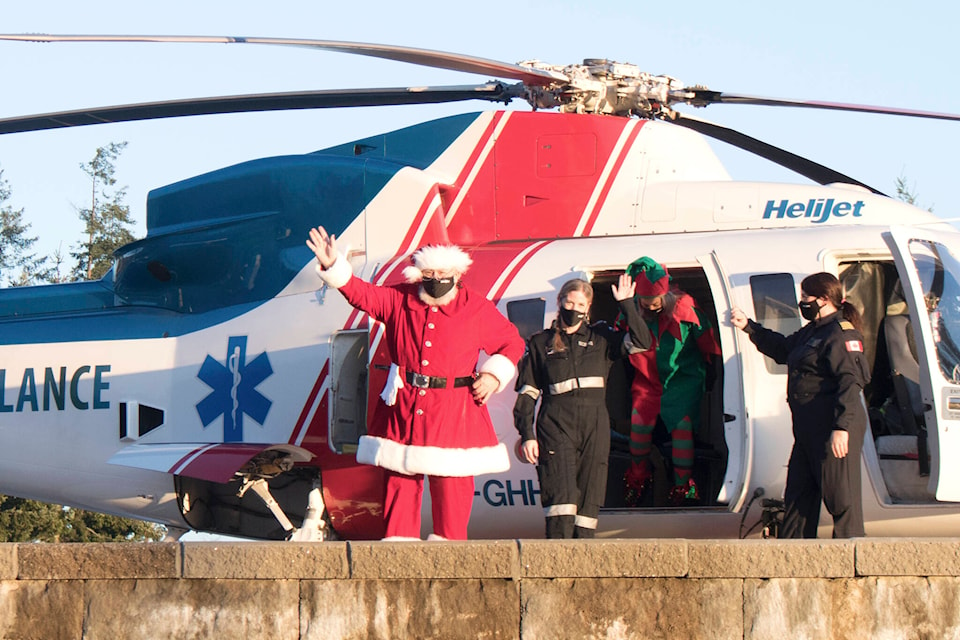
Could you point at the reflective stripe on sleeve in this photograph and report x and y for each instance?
(590, 382)
(528, 390)
(560, 510)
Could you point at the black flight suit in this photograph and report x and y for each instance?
(827, 371)
(573, 427)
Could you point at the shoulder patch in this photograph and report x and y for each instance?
(846, 325)
(854, 345)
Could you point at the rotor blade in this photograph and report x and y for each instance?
(798, 164)
(494, 92)
(412, 55)
(704, 97)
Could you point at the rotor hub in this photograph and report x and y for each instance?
(605, 87)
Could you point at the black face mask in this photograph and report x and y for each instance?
(809, 310)
(437, 288)
(571, 317)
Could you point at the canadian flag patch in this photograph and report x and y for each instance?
(854, 345)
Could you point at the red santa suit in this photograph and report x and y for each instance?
(427, 422)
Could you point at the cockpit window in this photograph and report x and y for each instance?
(939, 272)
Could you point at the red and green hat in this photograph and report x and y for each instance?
(651, 277)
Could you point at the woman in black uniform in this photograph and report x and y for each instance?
(566, 368)
(826, 373)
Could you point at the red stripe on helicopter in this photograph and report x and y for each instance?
(298, 430)
(457, 194)
(547, 176)
(633, 129)
(480, 147)
(217, 462)
(513, 269)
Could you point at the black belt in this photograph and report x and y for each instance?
(435, 382)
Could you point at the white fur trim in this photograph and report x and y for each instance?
(501, 367)
(400, 539)
(442, 257)
(412, 274)
(433, 537)
(432, 461)
(338, 274)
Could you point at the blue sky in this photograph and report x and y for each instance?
(872, 53)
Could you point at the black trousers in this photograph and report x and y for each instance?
(814, 474)
(574, 450)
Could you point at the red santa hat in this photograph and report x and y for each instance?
(651, 277)
(437, 258)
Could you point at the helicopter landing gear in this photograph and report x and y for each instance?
(313, 528)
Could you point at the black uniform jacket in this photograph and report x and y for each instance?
(578, 373)
(826, 370)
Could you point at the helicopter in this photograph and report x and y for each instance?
(210, 382)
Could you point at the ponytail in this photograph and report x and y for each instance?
(826, 285)
(851, 315)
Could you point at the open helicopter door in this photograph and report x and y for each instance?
(929, 270)
(735, 433)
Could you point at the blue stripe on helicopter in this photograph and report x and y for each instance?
(223, 243)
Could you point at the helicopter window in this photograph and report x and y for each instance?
(775, 305)
(527, 315)
(938, 269)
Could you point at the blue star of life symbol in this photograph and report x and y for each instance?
(234, 389)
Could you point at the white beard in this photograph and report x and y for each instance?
(445, 299)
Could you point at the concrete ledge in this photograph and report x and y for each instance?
(8, 562)
(770, 559)
(102, 560)
(513, 589)
(908, 557)
(420, 608)
(191, 609)
(603, 558)
(611, 608)
(273, 560)
(41, 609)
(403, 560)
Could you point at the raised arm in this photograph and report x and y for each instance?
(324, 246)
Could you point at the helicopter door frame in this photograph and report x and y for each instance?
(738, 438)
(940, 398)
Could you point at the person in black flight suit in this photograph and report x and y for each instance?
(826, 373)
(566, 368)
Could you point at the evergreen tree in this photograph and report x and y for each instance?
(18, 266)
(31, 521)
(107, 221)
(906, 193)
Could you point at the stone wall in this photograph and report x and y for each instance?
(611, 589)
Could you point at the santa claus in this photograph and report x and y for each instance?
(432, 420)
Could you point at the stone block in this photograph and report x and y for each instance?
(603, 558)
(771, 558)
(265, 560)
(451, 559)
(40, 609)
(109, 560)
(8, 561)
(853, 609)
(578, 608)
(414, 609)
(908, 557)
(192, 609)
